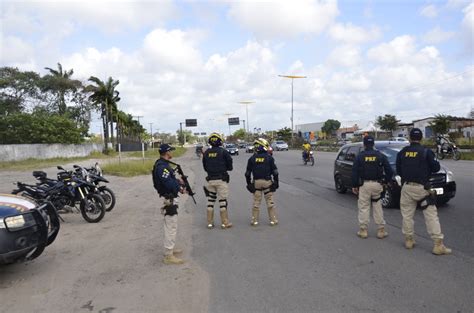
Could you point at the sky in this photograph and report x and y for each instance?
(178, 60)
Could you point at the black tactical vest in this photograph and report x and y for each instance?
(261, 167)
(215, 162)
(372, 168)
(414, 165)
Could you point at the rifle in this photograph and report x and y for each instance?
(187, 186)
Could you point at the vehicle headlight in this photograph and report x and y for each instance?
(15, 221)
(449, 176)
(398, 179)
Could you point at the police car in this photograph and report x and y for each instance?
(442, 182)
(26, 228)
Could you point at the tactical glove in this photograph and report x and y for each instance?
(251, 188)
(274, 186)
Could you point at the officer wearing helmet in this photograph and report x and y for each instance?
(369, 170)
(217, 162)
(168, 186)
(415, 164)
(262, 167)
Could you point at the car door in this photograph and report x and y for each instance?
(348, 162)
(341, 164)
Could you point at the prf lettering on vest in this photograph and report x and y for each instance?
(212, 154)
(259, 160)
(370, 159)
(409, 154)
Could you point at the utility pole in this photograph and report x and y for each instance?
(151, 134)
(228, 114)
(292, 77)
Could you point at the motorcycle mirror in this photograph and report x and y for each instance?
(75, 166)
(60, 168)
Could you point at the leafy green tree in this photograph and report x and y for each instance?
(284, 133)
(387, 122)
(185, 134)
(105, 98)
(18, 90)
(61, 84)
(440, 124)
(240, 134)
(330, 126)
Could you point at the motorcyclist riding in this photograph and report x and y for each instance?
(306, 149)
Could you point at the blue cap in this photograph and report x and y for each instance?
(368, 141)
(165, 148)
(416, 134)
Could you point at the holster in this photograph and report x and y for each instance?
(206, 191)
(171, 210)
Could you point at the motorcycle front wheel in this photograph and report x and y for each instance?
(456, 155)
(109, 198)
(93, 208)
(312, 161)
(440, 155)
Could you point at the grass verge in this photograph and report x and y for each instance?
(468, 156)
(32, 163)
(137, 167)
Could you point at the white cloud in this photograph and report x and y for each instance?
(430, 11)
(346, 56)
(283, 18)
(456, 4)
(105, 15)
(173, 49)
(353, 34)
(397, 50)
(14, 50)
(437, 35)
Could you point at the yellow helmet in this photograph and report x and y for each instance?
(261, 144)
(215, 139)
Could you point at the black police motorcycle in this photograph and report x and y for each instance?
(94, 176)
(26, 228)
(69, 190)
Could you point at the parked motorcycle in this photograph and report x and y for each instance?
(68, 190)
(94, 175)
(308, 158)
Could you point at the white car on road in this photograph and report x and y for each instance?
(280, 145)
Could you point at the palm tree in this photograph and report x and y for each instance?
(60, 82)
(105, 98)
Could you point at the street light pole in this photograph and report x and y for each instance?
(247, 111)
(292, 79)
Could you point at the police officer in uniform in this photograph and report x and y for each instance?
(369, 170)
(217, 162)
(415, 164)
(168, 187)
(262, 167)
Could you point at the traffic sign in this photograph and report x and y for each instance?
(191, 122)
(234, 121)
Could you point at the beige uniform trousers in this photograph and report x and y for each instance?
(170, 227)
(217, 189)
(262, 187)
(367, 192)
(412, 193)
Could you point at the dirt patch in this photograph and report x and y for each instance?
(112, 266)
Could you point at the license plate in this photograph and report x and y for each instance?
(439, 191)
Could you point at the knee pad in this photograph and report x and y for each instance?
(171, 210)
(223, 204)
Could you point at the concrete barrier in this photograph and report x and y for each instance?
(46, 151)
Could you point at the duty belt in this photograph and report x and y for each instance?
(413, 183)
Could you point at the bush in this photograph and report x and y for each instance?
(23, 128)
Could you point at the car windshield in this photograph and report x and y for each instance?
(230, 145)
(280, 142)
(390, 153)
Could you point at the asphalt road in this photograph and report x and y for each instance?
(313, 261)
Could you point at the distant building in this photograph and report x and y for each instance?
(347, 132)
(310, 131)
(403, 130)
